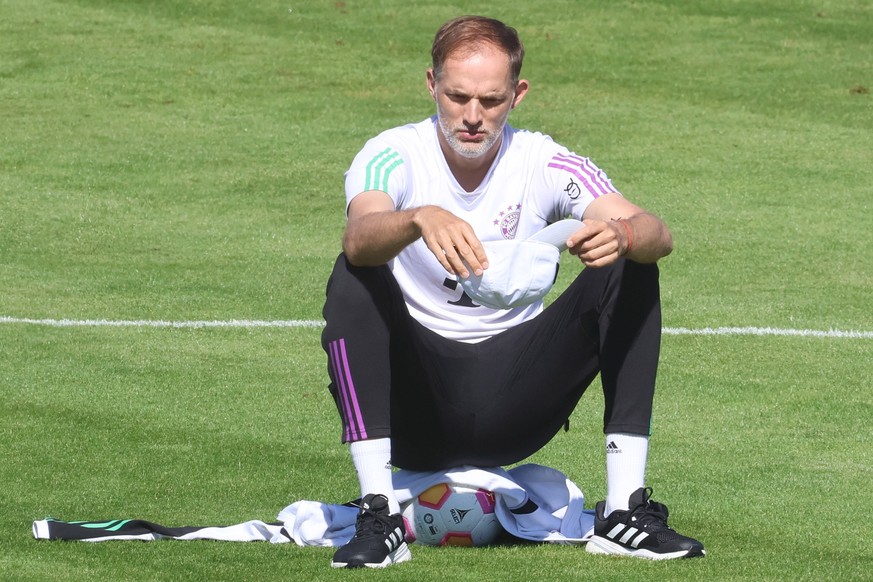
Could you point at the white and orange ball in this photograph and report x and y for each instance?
(451, 515)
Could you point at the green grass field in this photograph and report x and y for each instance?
(182, 161)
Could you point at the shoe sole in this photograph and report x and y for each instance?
(401, 554)
(599, 545)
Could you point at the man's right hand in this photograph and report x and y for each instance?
(376, 233)
(451, 240)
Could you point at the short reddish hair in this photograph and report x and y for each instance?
(466, 33)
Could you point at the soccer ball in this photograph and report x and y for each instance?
(451, 515)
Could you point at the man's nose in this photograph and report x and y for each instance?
(473, 113)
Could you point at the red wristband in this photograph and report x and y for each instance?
(630, 237)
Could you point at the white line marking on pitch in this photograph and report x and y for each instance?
(152, 323)
(313, 323)
(768, 331)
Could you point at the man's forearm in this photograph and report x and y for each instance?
(375, 238)
(647, 238)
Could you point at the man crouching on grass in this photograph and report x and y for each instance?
(427, 376)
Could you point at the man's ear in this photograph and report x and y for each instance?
(431, 83)
(521, 89)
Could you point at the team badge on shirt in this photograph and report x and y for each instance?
(507, 220)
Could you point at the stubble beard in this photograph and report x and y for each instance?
(467, 149)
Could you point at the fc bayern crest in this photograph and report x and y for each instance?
(507, 220)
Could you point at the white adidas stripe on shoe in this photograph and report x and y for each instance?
(640, 532)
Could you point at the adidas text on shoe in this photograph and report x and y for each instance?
(640, 532)
(379, 538)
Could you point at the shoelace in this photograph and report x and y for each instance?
(650, 514)
(369, 523)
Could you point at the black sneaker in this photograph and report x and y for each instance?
(641, 531)
(378, 540)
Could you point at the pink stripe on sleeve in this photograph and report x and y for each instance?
(593, 178)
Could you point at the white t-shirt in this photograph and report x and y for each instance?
(532, 183)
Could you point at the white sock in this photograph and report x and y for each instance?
(625, 468)
(372, 460)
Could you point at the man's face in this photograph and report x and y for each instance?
(474, 95)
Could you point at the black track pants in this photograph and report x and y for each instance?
(446, 403)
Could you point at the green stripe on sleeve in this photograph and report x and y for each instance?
(379, 169)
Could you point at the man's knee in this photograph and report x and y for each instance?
(625, 271)
(355, 287)
(360, 300)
